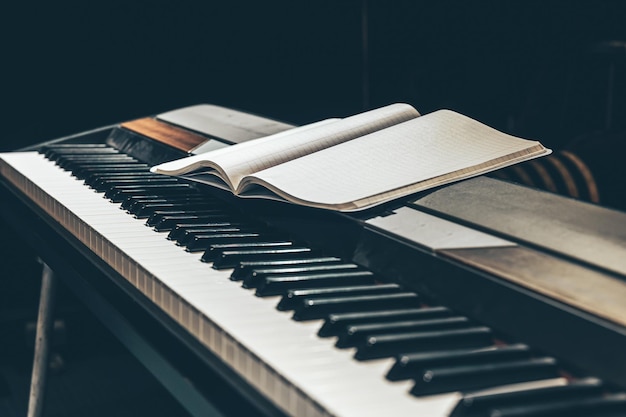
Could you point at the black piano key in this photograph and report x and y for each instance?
(244, 268)
(95, 179)
(319, 308)
(201, 240)
(132, 200)
(293, 297)
(181, 231)
(101, 184)
(90, 157)
(383, 345)
(83, 153)
(409, 364)
(118, 194)
(188, 203)
(78, 164)
(86, 154)
(230, 258)
(479, 404)
(194, 216)
(608, 405)
(114, 167)
(215, 250)
(148, 209)
(256, 276)
(83, 173)
(149, 189)
(93, 172)
(145, 208)
(74, 146)
(181, 190)
(64, 148)
(437, 380)
(71, 147)
(337, 323)
(135, 202)
(280, 284)
(201, 243)
(129, 179)
(168, 219)
(357, 333)
(208, 232)
(72, 163)
(52, 152)
(107, 186)
(167, 223)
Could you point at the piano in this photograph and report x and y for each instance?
(480, 298)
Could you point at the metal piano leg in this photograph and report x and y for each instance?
(45, 322)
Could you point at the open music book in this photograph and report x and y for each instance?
(360, 161)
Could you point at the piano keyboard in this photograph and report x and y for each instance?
(317, 335)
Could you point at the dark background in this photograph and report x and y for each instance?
(526, 67)
(538, 69)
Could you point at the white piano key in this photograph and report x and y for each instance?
(284, 359)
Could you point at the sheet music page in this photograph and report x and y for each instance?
(268, 153)
(204, 160)
(402, 159)
(243, 159)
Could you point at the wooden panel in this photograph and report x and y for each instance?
(588, 290)
(583, 231)
(162, 132)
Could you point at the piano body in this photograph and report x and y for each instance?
(478, 298)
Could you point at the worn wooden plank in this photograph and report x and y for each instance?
(173, 136)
